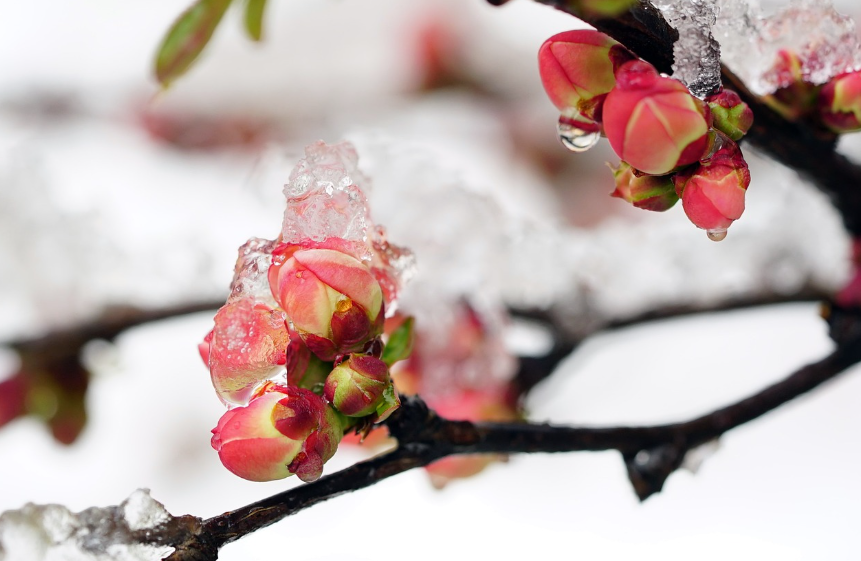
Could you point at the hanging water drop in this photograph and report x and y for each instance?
(575, 138)
(716, 235)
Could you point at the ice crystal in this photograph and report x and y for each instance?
(250, 276)
(825, 40)
(696, 53)
(114, 533)
(326, 199)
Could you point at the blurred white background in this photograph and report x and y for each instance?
(112, 193)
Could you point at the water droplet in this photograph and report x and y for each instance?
(716, 235)
(575, 139)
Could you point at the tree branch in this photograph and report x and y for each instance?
(651, 453)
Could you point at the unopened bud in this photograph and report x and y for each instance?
(713, 192)
(730, 114)
(653, 122)
(840, 103)
(649, 192)
(577, 70)
(356, 386)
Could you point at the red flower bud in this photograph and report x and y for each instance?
(713, 192)
(840, 103)
(649, 192)
(730, 114)
(356, 387)
(332, 299)
(247, 346)
(577, 70)
(794, 96)
(652, 122)
(282, 431)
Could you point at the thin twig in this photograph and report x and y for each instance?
(651, 453)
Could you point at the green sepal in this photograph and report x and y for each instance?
(400, 343)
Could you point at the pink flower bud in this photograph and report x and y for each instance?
(840, 103)
(713, 192)
(356, 386)
(794, 96)
(247, 346)
(577, 70)
(652, 122)
(731, 115)
(282, 431)
(649, 192)
(331, 298)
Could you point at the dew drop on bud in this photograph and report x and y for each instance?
(716, 235)
(576, 139)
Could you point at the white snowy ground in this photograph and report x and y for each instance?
(783, 487)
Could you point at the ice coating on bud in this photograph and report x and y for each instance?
(282, 431)
(653, 122)
(713, 192)
(649, 192)
(576, 70)
(840, 103)
(250, 278)
(247, 346)
(730, 114)
(325, 198)
(356, 386)
(327, 208)
(331, 298)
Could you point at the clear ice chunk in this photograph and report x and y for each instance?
(825, 40)
(697, 53)
(114, 533)
(326, 199)
(250, 275)
(325, 196)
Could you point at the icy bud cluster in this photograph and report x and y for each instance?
(297, 350)
(126, 532)
(672, 144)
(824, 42)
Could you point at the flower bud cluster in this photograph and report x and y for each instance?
(302, 371)
(836, 104)
(668, 139)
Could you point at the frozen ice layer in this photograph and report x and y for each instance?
(825, 41)
(247, 346)
(325, 196)
(326, 200)
(250, 276)
(114, 533)
(696, 53)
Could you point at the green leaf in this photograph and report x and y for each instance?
(186, 39)
(254, 18)
(400, 343)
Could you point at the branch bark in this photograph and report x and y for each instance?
(651, 453)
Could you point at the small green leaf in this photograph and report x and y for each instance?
(400, 343)
(186, 39)
(254, 18)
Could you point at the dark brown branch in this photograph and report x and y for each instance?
(651, 453)
(533, 370)
(802, 146)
